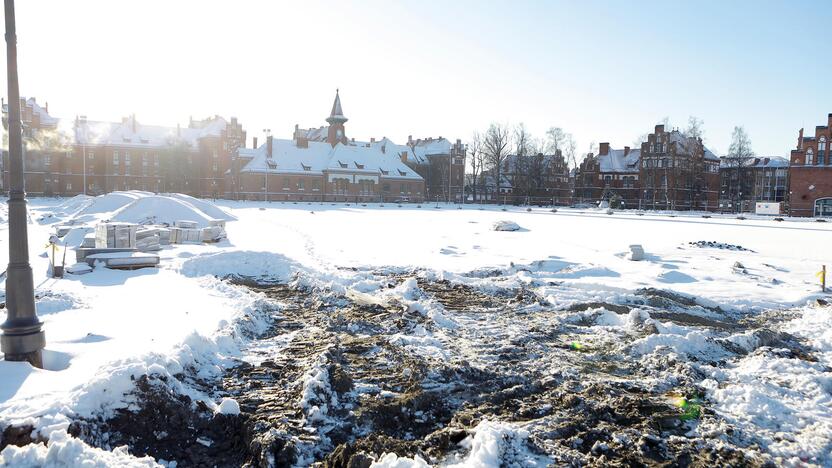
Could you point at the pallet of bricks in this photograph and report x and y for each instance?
(185, 232)
(115, 236)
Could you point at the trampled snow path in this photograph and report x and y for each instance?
(544, 345)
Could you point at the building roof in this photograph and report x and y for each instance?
(130, 132)
(337, 114)
(317, 157)
(678, 137)
(758, 162)
(616, 161)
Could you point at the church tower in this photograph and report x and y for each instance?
(336, 122)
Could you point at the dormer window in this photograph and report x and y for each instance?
(305, 167)
(125, 139)
(402, 173)
(358, 166)
(271, 164)
(144, 140)
(383, 172)
(343, 165)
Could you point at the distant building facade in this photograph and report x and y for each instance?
(69, 157)
(441, 164)
(534, 178)
(677, 172)
(810, 174)
(669, 172)
(613, 173)
(324, 165)
(758, 179)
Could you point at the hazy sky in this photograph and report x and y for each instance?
(605, 71)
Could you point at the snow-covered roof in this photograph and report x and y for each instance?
(422, 149)
(677, 137)
(758, 162)
(45, 118)
(129, 132)
(616, 161)
(317, 157)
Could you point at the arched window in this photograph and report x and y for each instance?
(822, 151)
(810, 157)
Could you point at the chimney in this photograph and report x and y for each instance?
(403, 156)
(626, 150)
(47, 110)
(254, 142)
(269, 147)
(659, 128)
(828, 117)
(383, 149)
(133, 118)
(410, 140)
(372, 139)
(800, 140)
(604, 149)
(178, 129)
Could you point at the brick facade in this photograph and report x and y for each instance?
(811, 174)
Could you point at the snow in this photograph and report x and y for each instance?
(504, 225)
(107, 327)
(229, 406)
(318, 157)
(64, 451)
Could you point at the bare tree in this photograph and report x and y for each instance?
(477, 158)
(571, 151)
(739, 156)
(522, 175)
(496, 149)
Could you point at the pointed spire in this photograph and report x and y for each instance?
(337, 114)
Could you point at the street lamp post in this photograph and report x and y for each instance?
(22, 338)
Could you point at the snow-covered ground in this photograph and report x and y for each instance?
(748, 334)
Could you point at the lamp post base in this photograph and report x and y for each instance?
(26, 347)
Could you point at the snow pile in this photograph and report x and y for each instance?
(505, 226)
(263, 265)
(317, 395)
(106, 204)
(229, 406)
(391, 460)
(206, 207)
(783, 402)
(65, 451)
(496, 444)
(161, 210)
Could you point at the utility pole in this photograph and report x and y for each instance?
(22, 338)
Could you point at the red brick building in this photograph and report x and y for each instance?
(670, 171)
(810, 178)
(613, 173)
(677, 172)
(68, 157)
(324, 165)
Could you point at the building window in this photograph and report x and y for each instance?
(115, 158)
(822, 151)
(285, 183)
(90, 155)
(403, 189)
(215, 154)
(810, 157)
(126, 158)
(68, 186)
(144, 159)
(300, 184)
(47, 160)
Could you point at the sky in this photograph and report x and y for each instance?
(601, 70)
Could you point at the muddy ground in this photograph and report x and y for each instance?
(336, 382)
